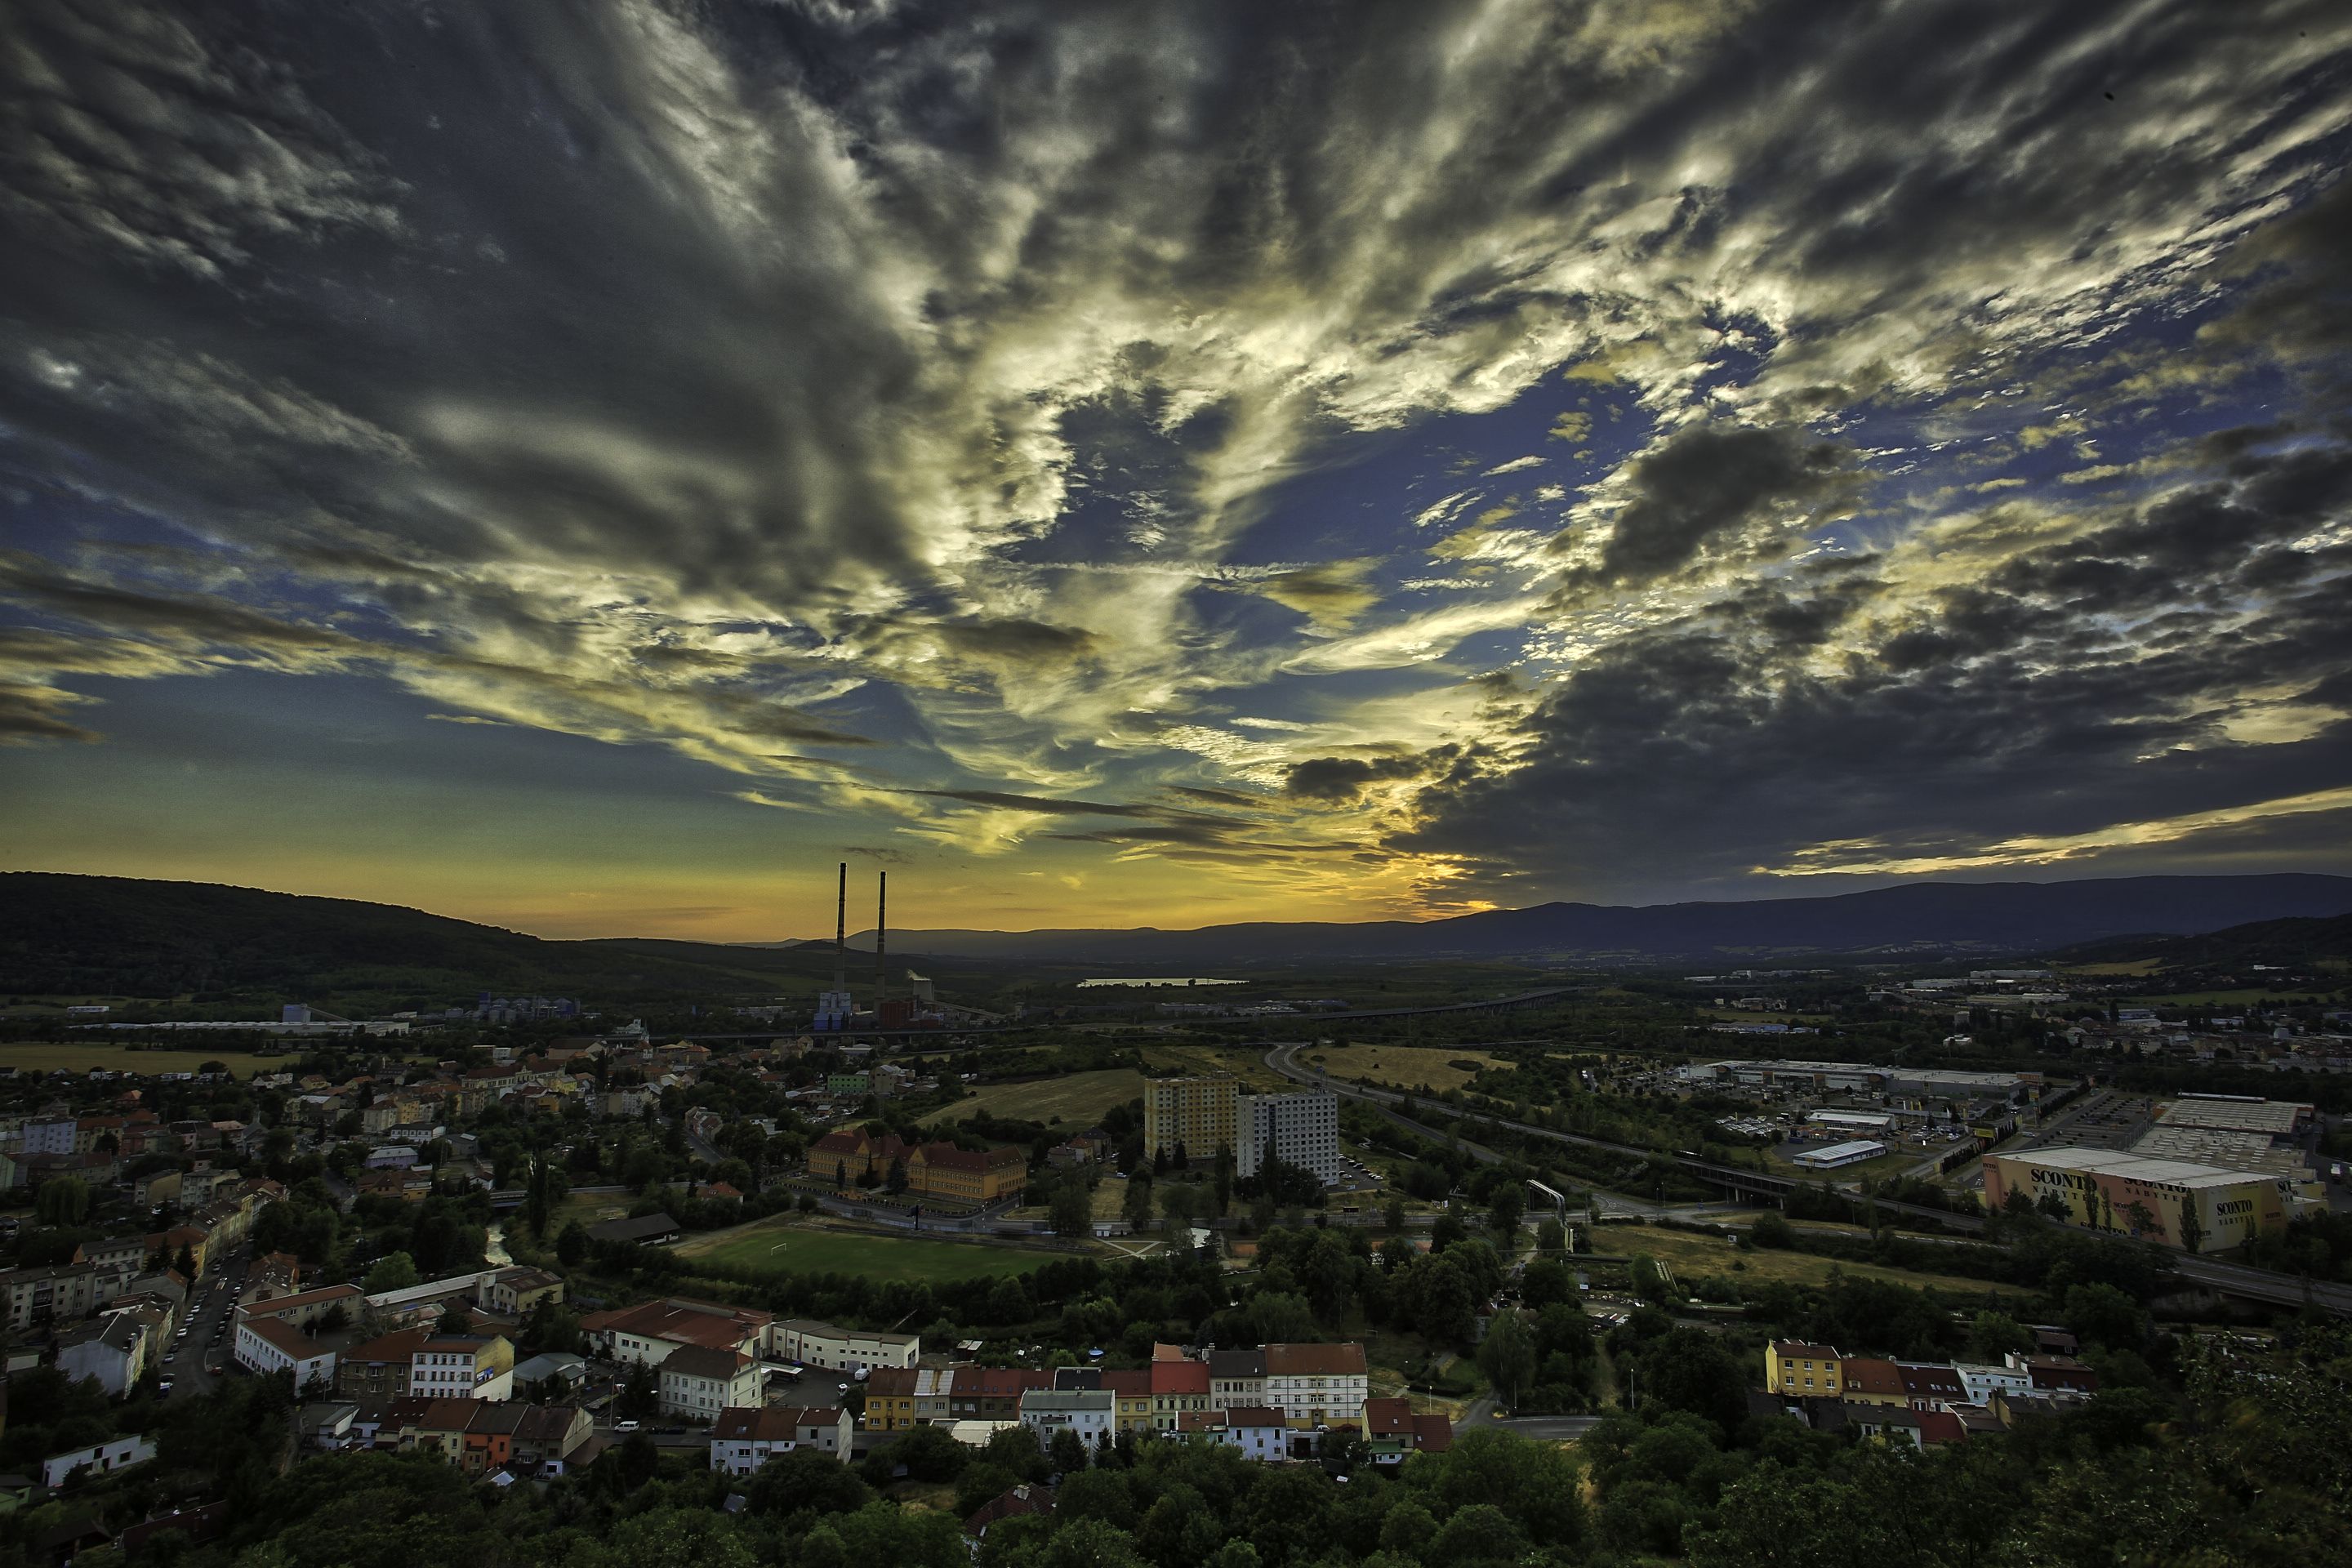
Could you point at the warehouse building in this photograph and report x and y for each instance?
(2144, 1196)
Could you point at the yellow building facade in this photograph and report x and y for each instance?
(1201, 1115)
(2143, 1197)
(1793, 1367)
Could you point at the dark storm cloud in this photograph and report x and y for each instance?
(1708, 484)
(2088, 684)
(1344, 779)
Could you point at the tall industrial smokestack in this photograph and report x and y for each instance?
(881, 924)
(841, 932)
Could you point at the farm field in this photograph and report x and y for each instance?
(783, 1246)
(1411, 1066)
(47, 1056)
(1691, 1256)
(1078, 1098)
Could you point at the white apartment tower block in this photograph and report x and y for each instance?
(1301, 1129)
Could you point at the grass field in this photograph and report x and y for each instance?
(1243, 1061)
(1691, 1256)
(789, 1247)
(1412, 1065)
(1078, 1098)
(44, 1057)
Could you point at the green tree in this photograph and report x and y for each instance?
(639, 1395)
(1135, 1207)
(807, 1483)
(1772, 1229)
(571, 1245)
(1071, 1210)
(1992, 1335)
(1508, 1356)
(1280, 1317)
(539, 1195)
(62, 1201)
(392, 1272)
(1552, 1238)
(1177, 1202)
(1097, 1494)
(1479, 1533)
(1508, 1206)
(2192, 1226)
(1392, 1216)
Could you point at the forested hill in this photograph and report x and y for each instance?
(119, 936)
(2322, 944)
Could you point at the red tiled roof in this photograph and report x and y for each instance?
(998, 1382)
(738, 1423)
(292, 1340)
(1021, 1499)
(1315, 1360)
(277, 1304)
(703, 1362)
(1864, 1375)
(1133, 1382)
(400, 1346)
(1433, 1433)
(982, 1160)
(1179, 1377)
(1388, 1418)
(1941, 1426)
(716, 1327)
(1253, 1415)
(891, 1382)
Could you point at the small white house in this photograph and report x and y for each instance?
(1258, 1431)
(119, 1455)
(1982, 1380)
(1091, 1412)
(744, 1439)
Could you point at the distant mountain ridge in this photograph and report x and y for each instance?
(1921, 917)
(62, 934)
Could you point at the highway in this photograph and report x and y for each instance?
(2225, 1278)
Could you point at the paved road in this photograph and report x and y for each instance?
(1546, 1428)
(212, 1309)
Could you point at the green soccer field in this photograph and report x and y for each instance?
(773, 1246)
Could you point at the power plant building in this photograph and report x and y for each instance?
(2144, 1196)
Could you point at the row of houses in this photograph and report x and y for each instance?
(1307, 1385)
(1920, 1403)
(102, 1270)
(275, 1333)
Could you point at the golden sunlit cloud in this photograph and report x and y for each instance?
(1861, 857)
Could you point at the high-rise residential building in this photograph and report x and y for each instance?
(1300, 1129)
(1199, 1115)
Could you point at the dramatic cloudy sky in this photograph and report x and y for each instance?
(589, 466)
